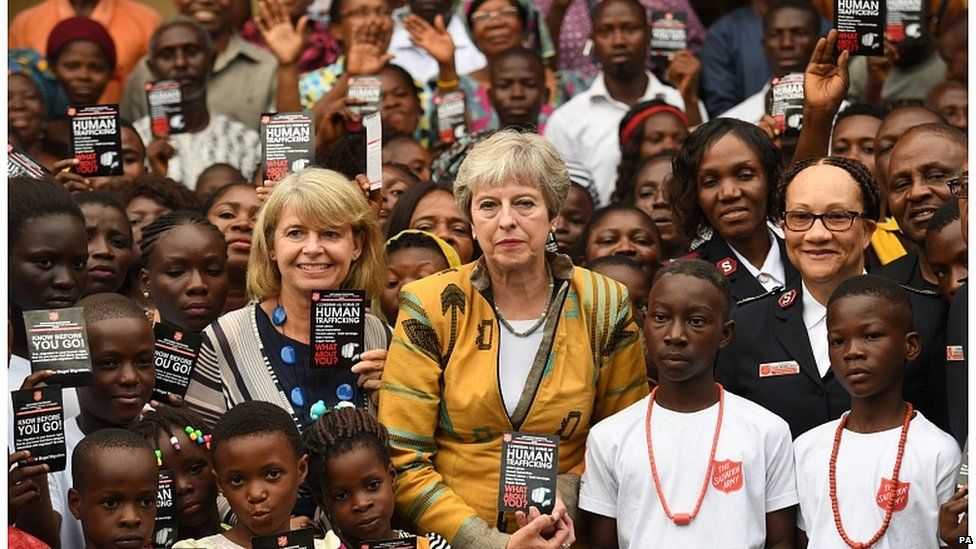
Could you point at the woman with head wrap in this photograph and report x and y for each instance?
(33, 97)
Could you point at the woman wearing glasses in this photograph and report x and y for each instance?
(721, 187)
(828, 209)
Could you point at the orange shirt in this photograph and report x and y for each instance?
(129, 23)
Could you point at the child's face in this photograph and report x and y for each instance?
(662, 132)
(142, 211)
(410, 154)
(133, 154)
(946, 252)
(234, 213)
(684, 328)
(651, 196)
(394, 185)
(405, 266)
(187, 276)
(573, 218)
(216, 177)
(48, 263)
(625, 233)
(122, 369)
(518, 89)
(196, 490)
(110, 252)
(259, 475)
(360, 494)
(117, 504)
(637, 283)
(853, 137)
(867, 344)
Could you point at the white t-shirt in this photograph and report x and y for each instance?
(927, 478)
(515, 357)
(60, 482)
(753, 475)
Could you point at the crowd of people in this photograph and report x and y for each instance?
(742, 331)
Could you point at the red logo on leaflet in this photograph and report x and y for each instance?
(887, 491)
(315, 296)
(37, 396)
(727, 476)
(178, 336)
(282, 541)
(727, 266)
(53, 316)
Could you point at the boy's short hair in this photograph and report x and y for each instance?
(946, 215)
(255, 417)
(101, 440)
(109, 306)
(802, 5)
(702, 270)
(861, 109)
(616, 260)
(879, 287)
(522, 52)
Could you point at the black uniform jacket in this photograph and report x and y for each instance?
(770, 362)
(925, 377)
(957, 376)
(717, 251)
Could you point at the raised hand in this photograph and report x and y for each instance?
(951, 527)
(285, 40)
(70, 180)
(159, 152)
(433, 38)
(366, 53)
(684, 71)
(826, 79)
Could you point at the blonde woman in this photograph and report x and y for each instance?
(316, 231)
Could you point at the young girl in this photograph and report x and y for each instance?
(397, 179)
(573, 218)
(721, 187)
(184, 269)
(233, 209)
(168, 431)
(649, 193)
(412, 255)
(110, 250)
(622, 230)
(351, 475)
(648, 128)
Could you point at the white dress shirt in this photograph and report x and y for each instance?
(815, 320)
(584, 130)
(420, 64)
(770, 274)
(752, 109)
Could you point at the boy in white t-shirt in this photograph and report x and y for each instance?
(877, 475)
(690, 465)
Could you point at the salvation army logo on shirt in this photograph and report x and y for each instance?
(727, 475)
(727, 266)
(887, 491)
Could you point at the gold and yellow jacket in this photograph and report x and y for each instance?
(441, 401)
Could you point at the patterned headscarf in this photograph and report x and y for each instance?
(536, 32)
(29, 63)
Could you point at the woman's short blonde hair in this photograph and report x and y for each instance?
(513, 156)
(322, 199)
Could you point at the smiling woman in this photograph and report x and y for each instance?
(520, 339)
(315, 232)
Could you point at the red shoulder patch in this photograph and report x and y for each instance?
(727, 266)
(786, 300)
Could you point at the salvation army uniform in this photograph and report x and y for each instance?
(772, 362)
(746, 283)
(925, 377)
(752, 475)
(957, 376)
(865, 463)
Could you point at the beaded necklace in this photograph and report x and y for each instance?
(889, 508)
(682, 519)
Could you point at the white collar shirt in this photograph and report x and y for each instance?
(771, 274)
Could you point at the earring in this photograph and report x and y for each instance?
(145, 294)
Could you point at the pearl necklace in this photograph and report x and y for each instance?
(540, 322)
(889, 508)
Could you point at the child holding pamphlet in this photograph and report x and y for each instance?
(644, 484)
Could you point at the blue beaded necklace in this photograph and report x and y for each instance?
(288, 355)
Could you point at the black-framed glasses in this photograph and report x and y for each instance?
(836, 221)
(959, 186)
